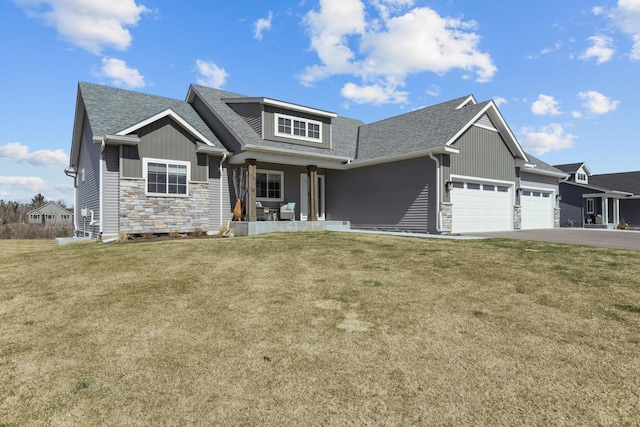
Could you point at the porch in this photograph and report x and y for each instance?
(246, 228)
(601, 210)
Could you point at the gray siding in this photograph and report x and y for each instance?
(483, 154)
(219, 129)
(391, 196)
(538, 178)
(571, 205)
(215, 180)
(630, 211)
(270, 127)
(110, 187)
(88, 182)
(164, 139)
(251, 113)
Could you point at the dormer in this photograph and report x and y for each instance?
(582, 174)
(285, 122)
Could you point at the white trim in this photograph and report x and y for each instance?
(469, 100)
(304, 196)
(271, 199)
(280, 104)
(480, 180)
(145, 176)
(291, 135)
(166, 113)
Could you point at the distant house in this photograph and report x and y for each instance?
(51, 215)
(598, 201)
(144, 163)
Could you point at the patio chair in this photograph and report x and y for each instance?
(288, 211)
(262, 213)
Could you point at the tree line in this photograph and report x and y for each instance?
(14, 220)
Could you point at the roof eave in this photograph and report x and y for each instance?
(400, 157)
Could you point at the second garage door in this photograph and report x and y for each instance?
(537, 209)
(478, 206)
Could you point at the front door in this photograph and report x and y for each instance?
(304, 197)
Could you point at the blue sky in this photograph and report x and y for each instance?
(565, 74)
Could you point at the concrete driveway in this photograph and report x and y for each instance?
(617, 239)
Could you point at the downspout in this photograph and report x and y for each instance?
(224, 157)
(74, 174)
(439, 216)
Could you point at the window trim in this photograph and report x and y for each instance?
(167, 162)
(591, 202)
(271, 172)
(278, 116)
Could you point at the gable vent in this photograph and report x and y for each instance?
(486, 123)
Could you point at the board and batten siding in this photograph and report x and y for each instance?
(219, 129)
(483, 154)
(251, 113)
(269, 127)
(164, 139)
(88, 183)
(110, 190)
(392, 196)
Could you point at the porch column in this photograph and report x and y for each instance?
(312, 192)
(251, 190)
(605, 210)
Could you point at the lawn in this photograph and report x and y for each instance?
(319, 329)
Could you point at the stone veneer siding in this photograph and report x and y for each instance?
(517, 217)
(556, 217)
(446, 216)
(149, 214)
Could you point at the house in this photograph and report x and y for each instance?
(143, 163)
(600, 201)
(51, 215)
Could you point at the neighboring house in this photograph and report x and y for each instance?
(51, 215)
(600, 201)
(144, 163)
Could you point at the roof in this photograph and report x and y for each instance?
(597, 188)
(429, 128)
(624, 181)
(49, 206)
(573, 167)
(544, 168)
(111, 110)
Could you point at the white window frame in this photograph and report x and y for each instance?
(145, 173)
(591, 202)
(307, 122)
(271, 199)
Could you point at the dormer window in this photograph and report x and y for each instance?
(298, 128)
(581, 177)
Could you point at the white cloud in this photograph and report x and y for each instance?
(626, 16)
(500, 100)
(547, 138)
(31, 183)
(210, 74)
(576, 114)
(597, 103)
(597, 10)
(90, 24)
(601, 49)
(434, 90)
(546, 105)
(47, 158)
(121, 75)
(392, 46)
(373, 94)
(262, 25)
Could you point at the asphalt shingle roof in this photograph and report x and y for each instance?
(415, 131)
(623, 181)
(569, 167)
(544, 166)
(112, 110)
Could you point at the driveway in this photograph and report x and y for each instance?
(617, 239)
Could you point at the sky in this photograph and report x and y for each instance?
(565, 74)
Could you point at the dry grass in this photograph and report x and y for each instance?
(320, 329)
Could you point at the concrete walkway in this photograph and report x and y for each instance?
(616, 239)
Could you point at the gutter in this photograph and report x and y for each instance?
(403, 156)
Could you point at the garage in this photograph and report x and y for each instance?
(537, 209)
(481, 206)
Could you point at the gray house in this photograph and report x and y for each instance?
(143, 163)
(51, 215)
(599, 201)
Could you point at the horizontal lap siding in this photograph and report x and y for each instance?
(538, 178)
(394, 196)
(571, 205)
(88, 182)
(110, 204)
(630, 211)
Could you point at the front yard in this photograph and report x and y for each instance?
(319, 329)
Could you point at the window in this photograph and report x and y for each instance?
(591, 206)
(488, 187)
(503, 189)
(458, 184)
(269, 185)
(166, 178)
(299, 128)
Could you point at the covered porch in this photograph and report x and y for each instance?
(601, 210)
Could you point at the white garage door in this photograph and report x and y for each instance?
(537, 209)
(480, 207)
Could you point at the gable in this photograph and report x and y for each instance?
(483, 153)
